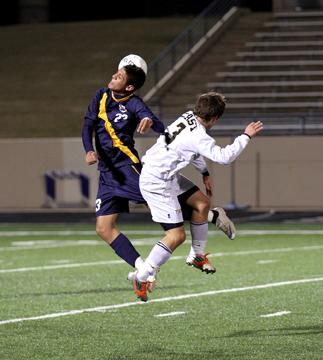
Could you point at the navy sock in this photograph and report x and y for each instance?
(124, 249)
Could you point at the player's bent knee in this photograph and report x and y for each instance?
(102, 230)
(175, 235)
(105, 225)
(181, 237)
(206, 204)
(203, 206)
(175, 240)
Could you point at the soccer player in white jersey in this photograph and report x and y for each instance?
(184, 142)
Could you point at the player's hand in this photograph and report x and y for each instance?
(208, 185)
(254, 128)
(90, 158)
(144, 125)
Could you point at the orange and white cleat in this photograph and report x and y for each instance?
(151, 280)
(140, 289)
(202, 263)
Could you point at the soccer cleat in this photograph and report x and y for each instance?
(224, 223)
(202, 263)
(140, 289)
(151, 280)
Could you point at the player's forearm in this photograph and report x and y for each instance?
(158, 126)
(229, 153)
(87, 132)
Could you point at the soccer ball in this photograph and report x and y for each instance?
(133, 60)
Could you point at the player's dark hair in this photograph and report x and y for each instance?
(209, 105)
(136, 76)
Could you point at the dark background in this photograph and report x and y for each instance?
(72, 10)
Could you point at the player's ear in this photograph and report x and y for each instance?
(130, 88)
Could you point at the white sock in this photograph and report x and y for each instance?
(159, 254)
(199, 238)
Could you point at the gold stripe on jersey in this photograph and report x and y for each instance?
(109, 128)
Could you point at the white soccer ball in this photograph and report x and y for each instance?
(133, 60)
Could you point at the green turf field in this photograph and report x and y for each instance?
(64, 295)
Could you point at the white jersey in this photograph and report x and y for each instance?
(186, 142)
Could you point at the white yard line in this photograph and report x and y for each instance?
(29, 243)
(49, 244)
(46, 232)
(279, 232)
(174, 313)
(264, 262)
(279, 313)
(61, 266)
(154, 232)
(165, 299)
(52, 244)
(113, 262)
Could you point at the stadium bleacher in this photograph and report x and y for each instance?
(279, 56)
(266, 64)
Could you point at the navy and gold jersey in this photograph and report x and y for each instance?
(114, 119)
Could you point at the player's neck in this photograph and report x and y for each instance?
(206, 124)
(121, 96)
(201, 121)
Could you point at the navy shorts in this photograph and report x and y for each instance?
(116, 188)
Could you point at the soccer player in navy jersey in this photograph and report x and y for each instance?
(113, 116)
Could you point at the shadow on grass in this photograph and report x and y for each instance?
(292, 331)
(153, 351)
(106, 290)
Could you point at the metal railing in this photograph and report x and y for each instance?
(184, 42)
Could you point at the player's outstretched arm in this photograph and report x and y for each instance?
(254, 128)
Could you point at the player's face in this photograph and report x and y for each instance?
(118, 82)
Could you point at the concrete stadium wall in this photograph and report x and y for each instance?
(273, 173)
